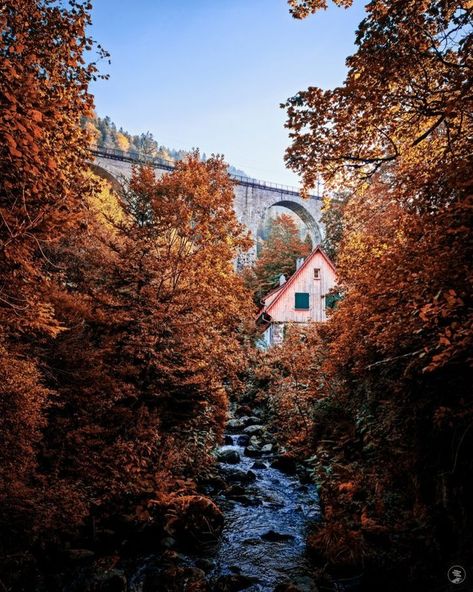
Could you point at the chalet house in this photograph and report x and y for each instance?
(304, 297)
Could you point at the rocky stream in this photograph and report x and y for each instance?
(245, 531)
(268, 502)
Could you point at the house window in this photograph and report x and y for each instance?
(316, 273)
(301, 301)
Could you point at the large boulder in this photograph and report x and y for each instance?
(252, 452)
(229, 456)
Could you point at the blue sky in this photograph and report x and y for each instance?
(212, 73)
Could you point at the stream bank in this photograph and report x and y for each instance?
(245, 529)
(267, 502)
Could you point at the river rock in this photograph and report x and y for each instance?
(252, 451)
(228, 441)
(252, 541)
(235, 490)
(235, 425)
(243, 440)
(243, 410)
(213, 483)
(234, 583)
(250, 420)
(259, 465)
(304, 474)
(267, 448)
(239, 476)
(228, 456)
(253, 420)
(275, 537)
(255, 441)
(246, 500)
(286, 464)
(253, 430)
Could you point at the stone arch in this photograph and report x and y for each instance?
(252, 199)
(104, 174)
(303, 213)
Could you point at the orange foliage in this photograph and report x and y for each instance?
(43, 95)
(293, 381)
(121, 316)
(397, 351)
(279, 254)
(151, 342)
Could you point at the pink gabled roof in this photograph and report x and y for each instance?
(272, 292)
(282, 289)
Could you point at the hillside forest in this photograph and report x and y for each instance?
(103, 133)
(127, 337)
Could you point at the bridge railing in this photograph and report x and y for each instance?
(169, 165)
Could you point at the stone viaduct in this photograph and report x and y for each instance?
(253, 198)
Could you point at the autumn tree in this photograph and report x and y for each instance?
(155, 314)
(43, 151)
(397, 135)
(291, 381)
(278, 256)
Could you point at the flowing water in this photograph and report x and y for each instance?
(267, 515)
(266, 526)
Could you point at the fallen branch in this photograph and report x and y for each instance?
(387, 360)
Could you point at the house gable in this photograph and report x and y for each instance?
(302, 297)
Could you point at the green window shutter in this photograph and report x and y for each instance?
(301, 300)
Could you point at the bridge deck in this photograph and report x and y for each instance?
(167, 165)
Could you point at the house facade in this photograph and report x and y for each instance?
(303, 298)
